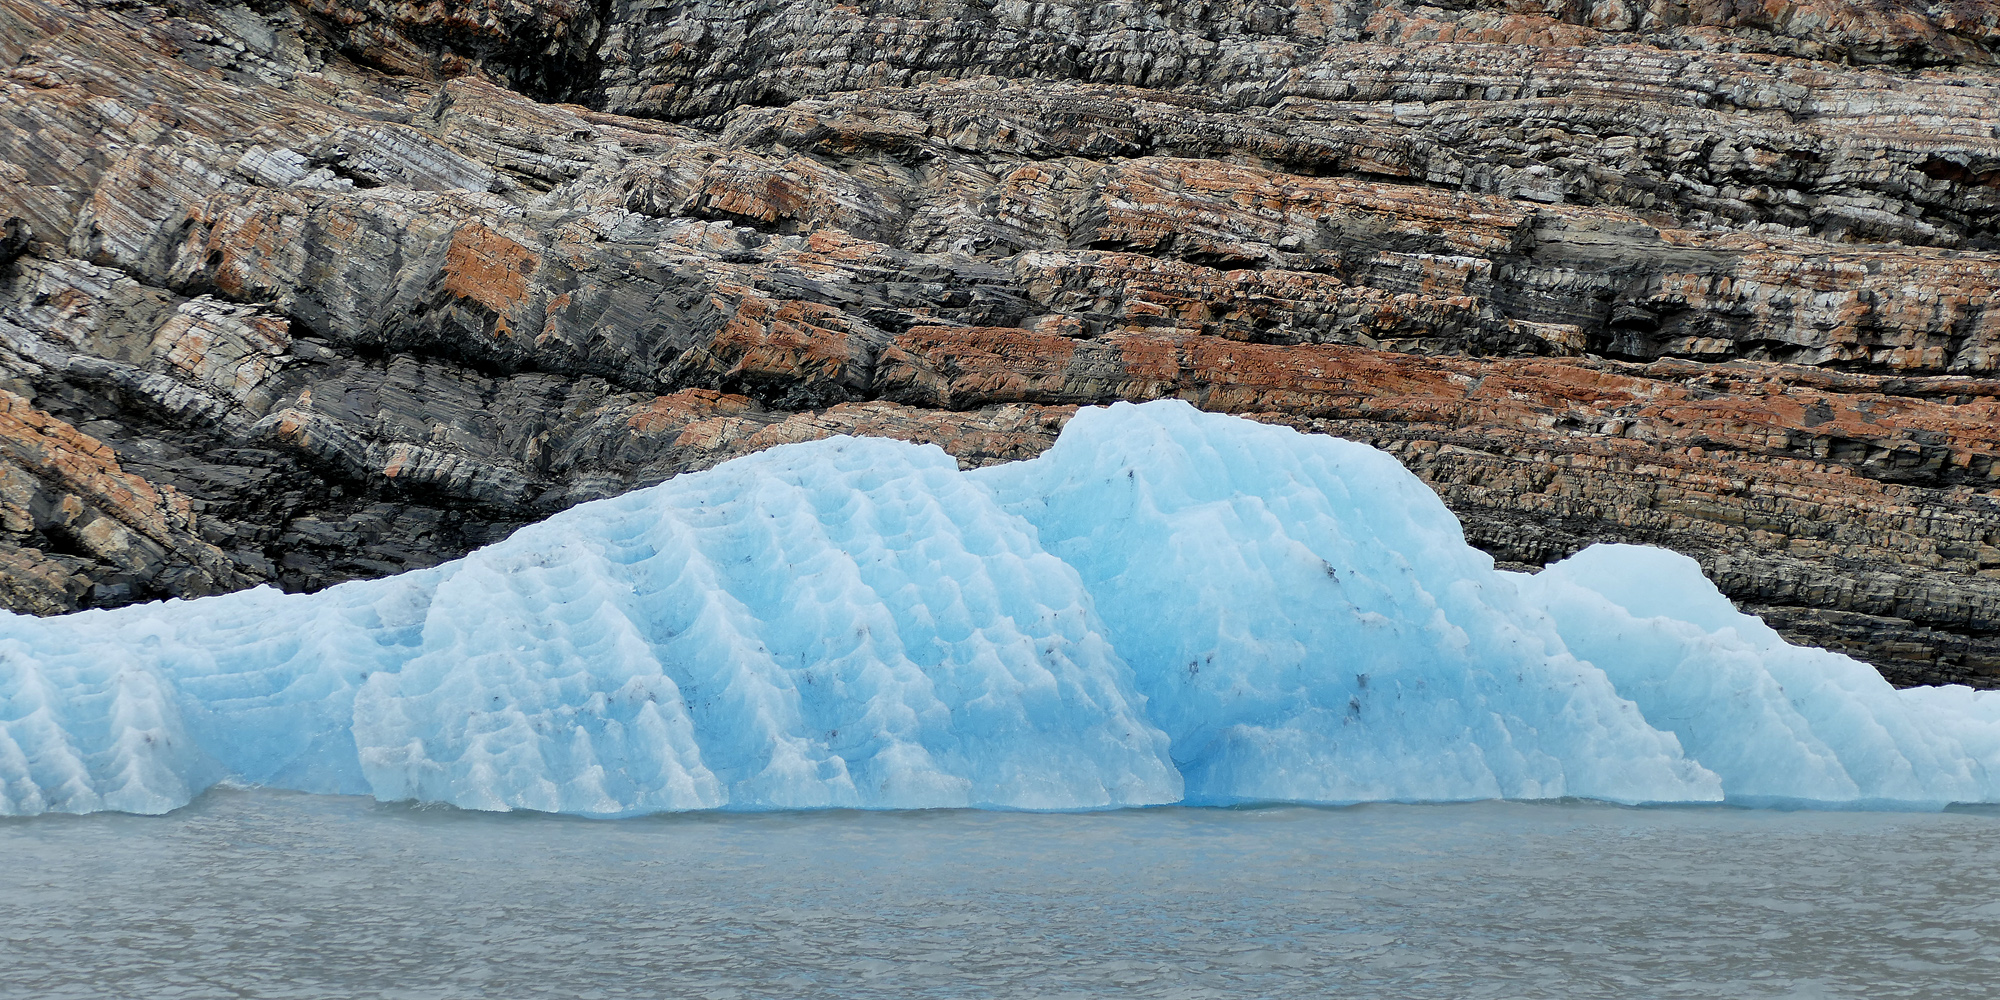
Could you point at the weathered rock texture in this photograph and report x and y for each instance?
(298, 293)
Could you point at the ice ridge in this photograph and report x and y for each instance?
(1167, 606)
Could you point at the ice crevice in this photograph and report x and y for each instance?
(1166, 607)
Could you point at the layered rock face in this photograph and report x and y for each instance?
(300, 293)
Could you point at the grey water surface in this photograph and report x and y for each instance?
(268, 894)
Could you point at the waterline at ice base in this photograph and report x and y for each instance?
(1166, 607)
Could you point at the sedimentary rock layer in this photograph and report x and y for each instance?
(300, 293)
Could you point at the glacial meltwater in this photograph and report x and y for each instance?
(276, 894)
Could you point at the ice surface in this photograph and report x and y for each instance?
(1308, 624)
(849, 623)
(1167, 606)
(140, 708)
(1775, 721)
(840, 624)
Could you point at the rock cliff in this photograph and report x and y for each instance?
(301, 292)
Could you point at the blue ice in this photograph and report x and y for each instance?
(1167, 606)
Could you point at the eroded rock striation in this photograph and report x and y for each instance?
(312, 291)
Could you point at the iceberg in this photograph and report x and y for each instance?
(1166, 607)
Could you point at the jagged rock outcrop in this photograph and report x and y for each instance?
(298, 293)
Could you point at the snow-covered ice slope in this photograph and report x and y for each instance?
(1167, 606)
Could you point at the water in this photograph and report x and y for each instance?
(266, 894)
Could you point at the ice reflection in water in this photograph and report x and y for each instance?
(280, 895)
